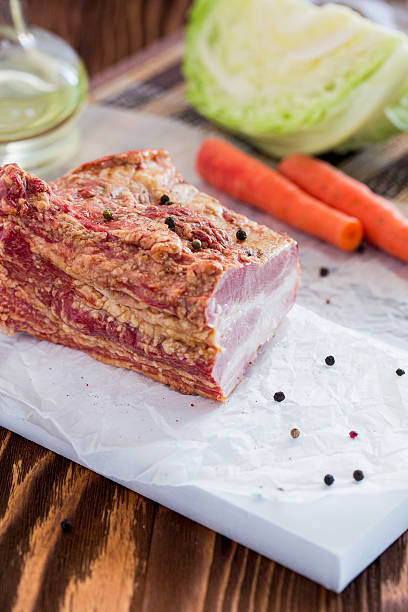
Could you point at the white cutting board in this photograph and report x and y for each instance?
(333, 538)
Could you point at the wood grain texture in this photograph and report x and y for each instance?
(125, 552)
(106, 31)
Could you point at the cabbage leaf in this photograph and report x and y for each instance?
(291, 76)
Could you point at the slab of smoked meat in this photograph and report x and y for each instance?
(130, 290)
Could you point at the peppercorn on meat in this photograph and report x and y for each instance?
(124, 260)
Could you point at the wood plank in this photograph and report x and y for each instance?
(179, 564)
(119, 556)
(106, 31)
(101, 562)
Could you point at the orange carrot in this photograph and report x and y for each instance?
(247, 179)
(384, 226)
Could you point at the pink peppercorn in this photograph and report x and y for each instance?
(353, 434)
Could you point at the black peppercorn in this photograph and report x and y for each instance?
(324, 272)
(66, 525)
(279, 396)
(170, 222)
(400, 372)
(330, 360)
(196, 244)
(164, 199)
(358, 475)
(328, 479)
(361, 248)
(107, 214)
(241, 235)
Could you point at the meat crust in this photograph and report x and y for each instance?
(131, 290)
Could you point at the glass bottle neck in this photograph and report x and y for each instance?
(12, 23)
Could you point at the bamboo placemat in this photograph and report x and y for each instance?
(152, 81)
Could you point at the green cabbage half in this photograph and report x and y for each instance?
(291, 76)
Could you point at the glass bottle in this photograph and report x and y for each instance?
(43, 84)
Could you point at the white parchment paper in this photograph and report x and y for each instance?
(134, 430)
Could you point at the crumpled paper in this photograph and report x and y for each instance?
(135, 430)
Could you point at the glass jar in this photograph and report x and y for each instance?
(43, 84)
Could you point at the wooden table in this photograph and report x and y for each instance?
(107, 31)
(124, 552)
